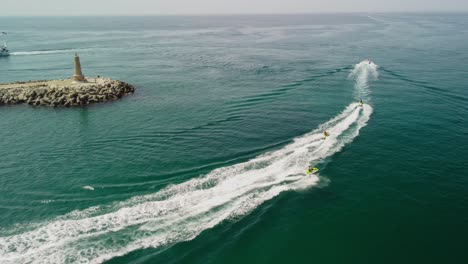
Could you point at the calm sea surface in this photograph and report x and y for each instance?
(205, 162)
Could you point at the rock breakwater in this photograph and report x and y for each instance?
(63, 93)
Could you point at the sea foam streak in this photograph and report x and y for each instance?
(363, 72)
(41, 52)
(181, 212)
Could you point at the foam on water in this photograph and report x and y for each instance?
(362, 73)
(181, 212)
(42, 52)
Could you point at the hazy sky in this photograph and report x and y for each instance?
(148, 7)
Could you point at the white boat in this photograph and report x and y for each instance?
(4, 49)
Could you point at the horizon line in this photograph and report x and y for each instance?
(243, 14)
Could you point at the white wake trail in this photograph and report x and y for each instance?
(181, 212)
(43, 52)
(362, 73)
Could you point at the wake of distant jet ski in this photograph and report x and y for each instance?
(362, 73)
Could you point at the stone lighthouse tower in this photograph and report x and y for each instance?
(78, 75)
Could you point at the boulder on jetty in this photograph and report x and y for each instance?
(65, 92)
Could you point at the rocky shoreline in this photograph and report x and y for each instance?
(63, 93)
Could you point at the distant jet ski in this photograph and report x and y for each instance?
(311, 170)
(325, 134)
(361, 103)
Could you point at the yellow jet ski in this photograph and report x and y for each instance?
(311, 171)
(325, 134)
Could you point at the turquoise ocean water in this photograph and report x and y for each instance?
(205, 162)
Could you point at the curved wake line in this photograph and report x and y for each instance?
(181, 212)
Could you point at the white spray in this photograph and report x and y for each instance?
(362, 73)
